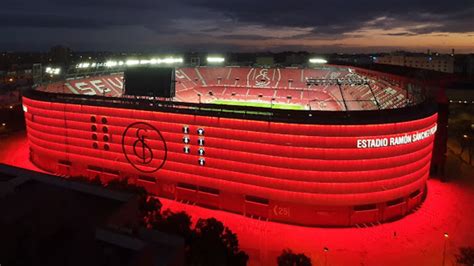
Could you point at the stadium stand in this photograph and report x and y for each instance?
(344, 89)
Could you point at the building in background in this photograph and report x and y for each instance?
(435, 62)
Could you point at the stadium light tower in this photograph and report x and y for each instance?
(215, 59)
(318, 61)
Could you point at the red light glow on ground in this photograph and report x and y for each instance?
(417, 239)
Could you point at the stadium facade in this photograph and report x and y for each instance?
(358, 151)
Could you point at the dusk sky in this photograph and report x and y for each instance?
(244, 25)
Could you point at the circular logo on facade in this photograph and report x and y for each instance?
(144, 147)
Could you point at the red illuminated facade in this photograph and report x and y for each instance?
(302, 172)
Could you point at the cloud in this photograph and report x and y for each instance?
(54, 21)
(185, 23)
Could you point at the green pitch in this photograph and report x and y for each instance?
(264, 105)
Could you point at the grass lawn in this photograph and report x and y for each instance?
(262, 104)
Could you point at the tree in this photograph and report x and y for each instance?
(173, 223)
(210, 243)
(288, 258)
(84, 179)
(118, 184)
(96, 181)
(148, 208)
(465, 256)
(215, 244)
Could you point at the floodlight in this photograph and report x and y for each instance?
(318, 61)
(215, 59)
(132, 62)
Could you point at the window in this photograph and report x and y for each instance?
(94, 168)
(110, 171)
(209, 190)
(366, 207)
(186, 186)
(414, 194)
(64, 162)
(395, 201)
(258, 200)
(147, 179)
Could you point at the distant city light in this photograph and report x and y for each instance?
(214, 59)
(318, 61)
(83, 65)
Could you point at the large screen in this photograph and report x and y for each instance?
(150, 81)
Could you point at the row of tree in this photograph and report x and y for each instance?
(208, 243)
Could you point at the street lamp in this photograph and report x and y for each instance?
(446, 236)
(326, 250)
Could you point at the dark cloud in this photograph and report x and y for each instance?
(202, 19)
(401, 34)
(341, 16)
(54, 21)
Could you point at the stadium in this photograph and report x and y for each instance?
(320, 146)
